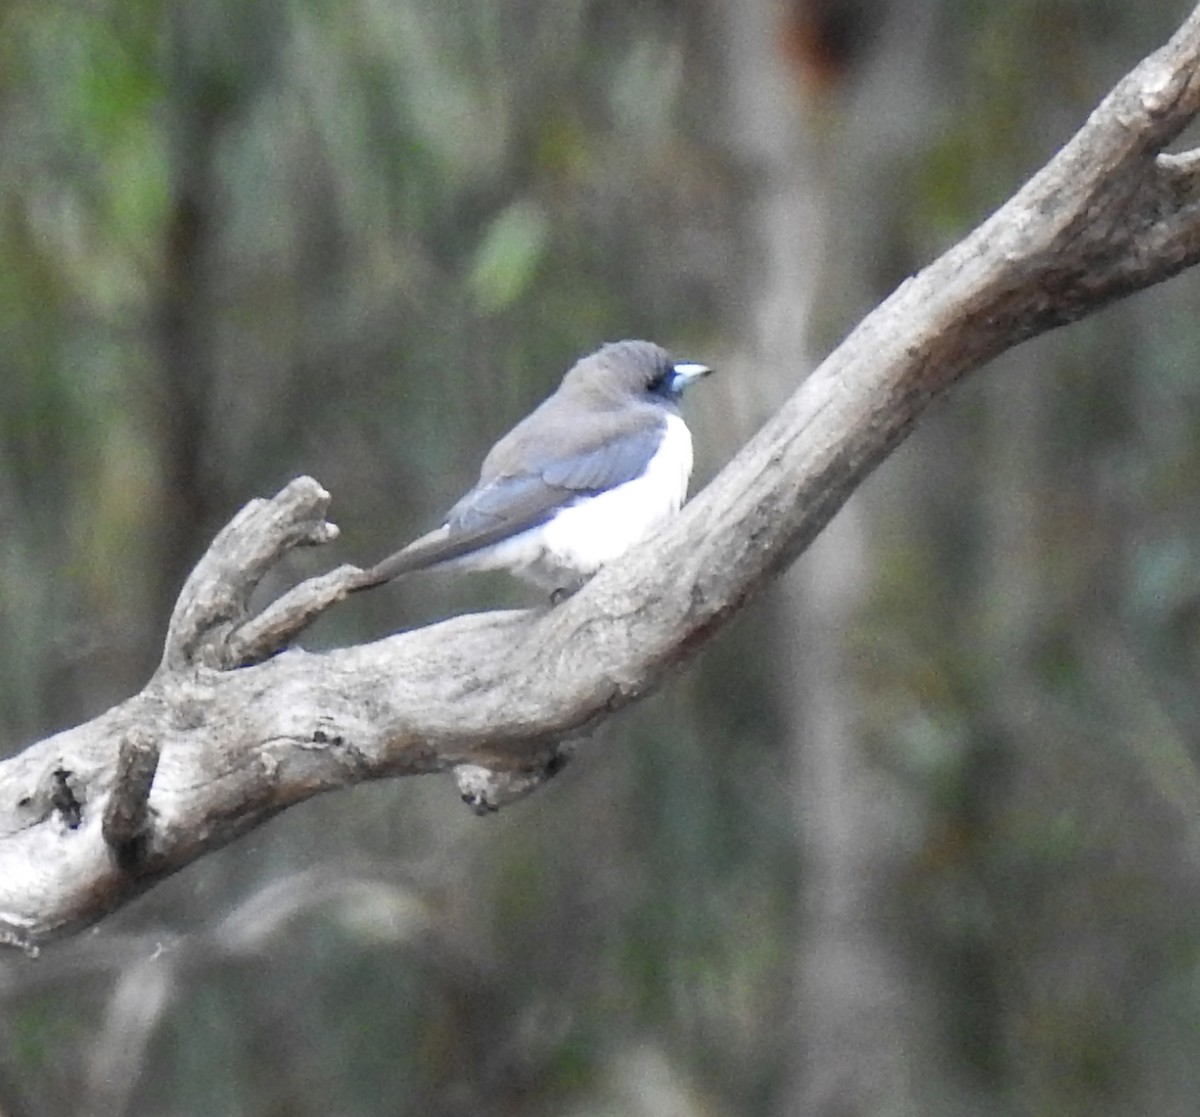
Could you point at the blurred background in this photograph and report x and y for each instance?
(917, 834)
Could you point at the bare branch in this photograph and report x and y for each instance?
(285, 618)
(494, 697)
(125, 825)
(216, 598)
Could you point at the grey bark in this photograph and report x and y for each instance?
(242, 733)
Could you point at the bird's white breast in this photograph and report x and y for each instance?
(595, 531)
(576, 542)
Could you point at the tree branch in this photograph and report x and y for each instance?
(243, 730)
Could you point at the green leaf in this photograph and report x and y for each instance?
(507, 259)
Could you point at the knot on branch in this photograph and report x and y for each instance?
(212, 624)
(486, 790)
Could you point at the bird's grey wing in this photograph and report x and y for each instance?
(525, 497)
(608, 464)
(510, 504)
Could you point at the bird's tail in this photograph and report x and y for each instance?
(427, 551)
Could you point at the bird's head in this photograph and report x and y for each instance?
(638, 368)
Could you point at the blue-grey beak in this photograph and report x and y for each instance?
(683, 373)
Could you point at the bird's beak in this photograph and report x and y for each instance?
(687, 371)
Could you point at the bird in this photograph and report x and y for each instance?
(597, 467)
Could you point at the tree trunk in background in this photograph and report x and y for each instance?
(185, 317)
(854, 1020)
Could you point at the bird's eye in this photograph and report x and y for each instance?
(663, 384)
